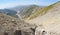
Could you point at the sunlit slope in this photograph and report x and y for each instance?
(41, 11)
(52, 16)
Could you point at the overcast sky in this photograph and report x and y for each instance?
(12, 3)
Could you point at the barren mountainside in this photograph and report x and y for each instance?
(53, 11)
(50, 20)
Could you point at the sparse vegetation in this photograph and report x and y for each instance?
(40, 12)
(28, 11)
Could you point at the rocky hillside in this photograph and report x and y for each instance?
(42, 11)
(50, 20)
(13, 26)
(45, 10)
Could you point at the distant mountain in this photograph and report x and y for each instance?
(26, 11)
(21, 7)
(9, 12)
(21, 11)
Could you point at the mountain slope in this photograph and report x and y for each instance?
(26, 11)
(41, 11)
(9, 25)
(50, 20)
(52, 15)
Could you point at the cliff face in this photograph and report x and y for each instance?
(13, 26)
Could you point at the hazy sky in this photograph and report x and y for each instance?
(12, 3)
